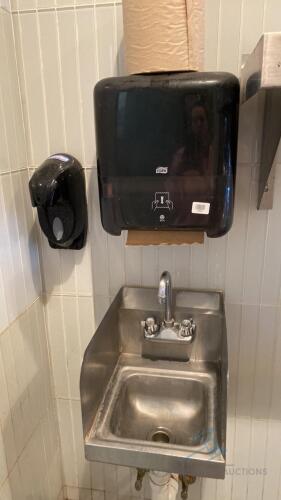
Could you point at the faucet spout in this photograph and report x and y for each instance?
(165, 295)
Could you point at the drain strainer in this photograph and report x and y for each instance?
(160, 435)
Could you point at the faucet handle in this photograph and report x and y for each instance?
(150, 327)
(187, 329)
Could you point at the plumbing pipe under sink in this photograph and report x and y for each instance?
(164, 486)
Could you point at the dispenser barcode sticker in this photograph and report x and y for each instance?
(200, 208)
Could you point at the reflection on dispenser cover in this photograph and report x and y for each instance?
(166, 146)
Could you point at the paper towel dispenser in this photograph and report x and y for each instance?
(57, 189)
(166, 149)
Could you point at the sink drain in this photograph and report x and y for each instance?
(160, 435)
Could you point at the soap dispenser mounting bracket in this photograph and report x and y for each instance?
(261, 77)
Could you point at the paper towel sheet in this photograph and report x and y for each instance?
(163, 35)
(145, 238)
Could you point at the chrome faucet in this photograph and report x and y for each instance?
(165, 296)
(168, 329)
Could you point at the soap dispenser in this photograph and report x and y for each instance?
(57, 190)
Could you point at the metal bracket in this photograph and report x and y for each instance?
(261, 76)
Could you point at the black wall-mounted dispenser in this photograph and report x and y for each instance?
(57, 189)
(166, 147)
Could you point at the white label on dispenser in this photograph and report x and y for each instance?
(200, 208)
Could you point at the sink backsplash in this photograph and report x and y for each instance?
(204, 309)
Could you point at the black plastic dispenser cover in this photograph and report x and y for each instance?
(57, 189)
(166, 148)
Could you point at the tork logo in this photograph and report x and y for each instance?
(162, 170)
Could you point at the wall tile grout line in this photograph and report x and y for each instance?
(45, 118)
(52, 386)
(5, 134)
(63, 9)
(20, 93)
(98, 77)
(253, 395)
(8, 243)
(273, 360)
(62, 106)
(9, 91)
(5, 9)
(23, 88)
(236, 397)
(11, 172)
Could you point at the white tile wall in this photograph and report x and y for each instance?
(18, 250)
(70, 323)
(29, 444)
(62, 50)
(29, 438)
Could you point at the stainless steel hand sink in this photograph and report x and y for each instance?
(148, 405)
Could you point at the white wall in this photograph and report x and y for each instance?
(63, 48)
(30, 459)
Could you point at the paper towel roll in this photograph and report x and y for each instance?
(163, 35)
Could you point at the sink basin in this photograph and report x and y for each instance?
(145, 410)
(161, 407)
